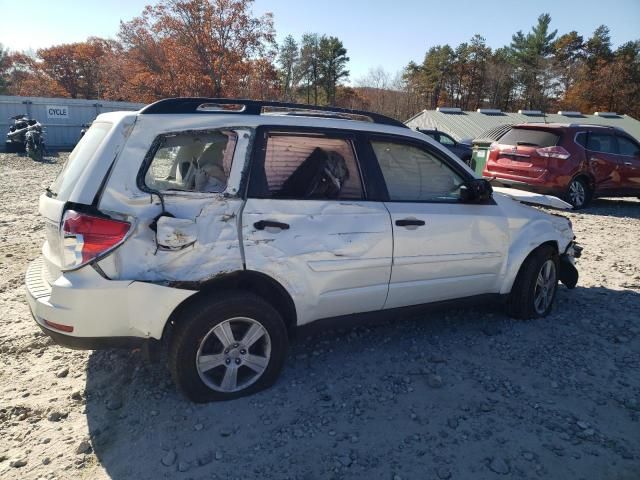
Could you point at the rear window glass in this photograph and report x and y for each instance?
(86, 147)
(192, 162)
(527, 136)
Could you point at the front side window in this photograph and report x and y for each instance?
(192, 162)
(628, 147)
(415, 175)
(307, 167)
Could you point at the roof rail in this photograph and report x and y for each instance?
(257, 107)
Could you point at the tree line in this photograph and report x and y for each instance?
(219, 48)
(539, 70)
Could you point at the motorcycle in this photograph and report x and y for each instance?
(26, 135)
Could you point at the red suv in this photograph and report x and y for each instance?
(575, 162)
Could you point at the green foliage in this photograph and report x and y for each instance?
(333, 66)
(539, 70)
(288, 59)
(319, 66)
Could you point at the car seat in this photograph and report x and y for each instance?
(320, 176)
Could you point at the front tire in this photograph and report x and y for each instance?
(227, 347)
(534, 290)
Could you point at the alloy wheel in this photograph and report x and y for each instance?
(577, 193)
(545, 287)
(233, 355)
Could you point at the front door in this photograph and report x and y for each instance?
(443, 248)
(307, 224)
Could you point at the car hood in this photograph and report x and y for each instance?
(533, 198)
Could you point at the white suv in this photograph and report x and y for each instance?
(218, 226)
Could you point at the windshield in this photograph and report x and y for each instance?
(84, 150)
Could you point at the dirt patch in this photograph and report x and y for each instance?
(464, 393)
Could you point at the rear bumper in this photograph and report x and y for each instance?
(92, 343)
(529, 186)
(98, 313)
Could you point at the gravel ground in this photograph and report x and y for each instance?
(460, 394)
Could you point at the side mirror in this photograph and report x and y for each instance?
(476, 190)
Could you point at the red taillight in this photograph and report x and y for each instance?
(85, 237)
(553, 152)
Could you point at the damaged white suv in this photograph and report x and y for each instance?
(218, 226)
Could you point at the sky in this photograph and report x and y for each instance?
(375, 32)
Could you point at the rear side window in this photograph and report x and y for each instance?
(81, 154)
(306, 167)
(429, 134)
(601, 142)
(446, 140)
(530, 137)
(628, 147)
(192, 162)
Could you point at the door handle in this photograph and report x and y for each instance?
(262, 224)
(628, 163)
(409, 222)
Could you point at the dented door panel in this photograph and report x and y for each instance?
(334, 258)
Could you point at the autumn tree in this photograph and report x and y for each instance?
(203, 46)
(501, 80)
(26, 78)
(568, 54)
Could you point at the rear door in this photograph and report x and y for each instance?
(603, 161)
(442, 248)
(310, 223)
(629, 151)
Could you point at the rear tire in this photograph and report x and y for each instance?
(579, 193)
(534, 289)
(226, 347)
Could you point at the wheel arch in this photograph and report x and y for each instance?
(588, 176)
(518, 258)
(257, 283)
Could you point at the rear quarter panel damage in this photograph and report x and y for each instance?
(201, 232)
